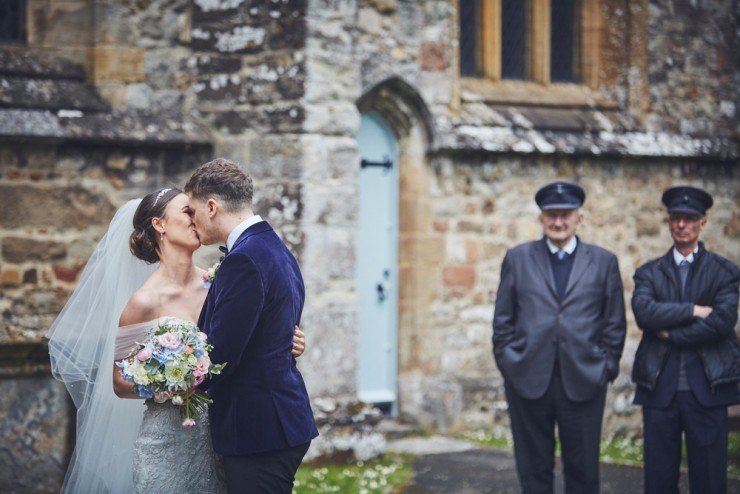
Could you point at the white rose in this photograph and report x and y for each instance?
(141, 377)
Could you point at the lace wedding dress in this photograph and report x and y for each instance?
(168, 457)
(120, 445)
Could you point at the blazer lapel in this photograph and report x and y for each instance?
(580, 265)
(542, 261)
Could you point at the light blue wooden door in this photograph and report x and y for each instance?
(377, 262)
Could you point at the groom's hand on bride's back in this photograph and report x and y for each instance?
(299, 342)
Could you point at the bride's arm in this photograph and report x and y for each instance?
(139, 309)
(122, 388)
(299, 342)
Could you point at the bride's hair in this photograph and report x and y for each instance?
(143, 240)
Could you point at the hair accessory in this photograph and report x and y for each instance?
(161, 193)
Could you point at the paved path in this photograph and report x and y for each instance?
(483, 471)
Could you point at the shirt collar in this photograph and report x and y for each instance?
(569, 247)
(241, 228)
(678, 257)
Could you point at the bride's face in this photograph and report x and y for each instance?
(180, 229)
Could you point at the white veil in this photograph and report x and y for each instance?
(81, 342)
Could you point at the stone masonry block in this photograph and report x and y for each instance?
(462, 276)
(117, 64)
(18, 250)
(61, 207)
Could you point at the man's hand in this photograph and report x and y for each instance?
(702, 311)
(299, 342)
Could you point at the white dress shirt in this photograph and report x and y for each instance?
(240, 228)
(678, 257)
(568, 248)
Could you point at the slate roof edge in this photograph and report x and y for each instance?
(75, 126)
(602, 143)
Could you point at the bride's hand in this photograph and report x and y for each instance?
(299, 342)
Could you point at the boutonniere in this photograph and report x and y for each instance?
(210, 275)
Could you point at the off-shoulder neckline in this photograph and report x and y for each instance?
(144, 323)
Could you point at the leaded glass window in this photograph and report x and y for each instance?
(470, 23)
(565, 40)
(11, 20)
(514, 39)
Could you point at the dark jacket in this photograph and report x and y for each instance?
(260, 402)
(532, 326)
(656, 303)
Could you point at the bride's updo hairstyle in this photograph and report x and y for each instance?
(143, 240)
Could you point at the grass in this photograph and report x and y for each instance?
(391, 473)
(615, 450)
(387, 475)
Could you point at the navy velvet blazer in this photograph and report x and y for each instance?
(260, 403)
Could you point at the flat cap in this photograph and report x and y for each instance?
(687, 199)
(560, 195)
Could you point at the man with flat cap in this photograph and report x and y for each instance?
(558, 334)
(687, 365)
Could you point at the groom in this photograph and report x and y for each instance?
(261, 419)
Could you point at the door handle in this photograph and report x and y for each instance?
(381, 292)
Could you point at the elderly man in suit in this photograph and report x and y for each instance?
(688, 363)
(558, 333)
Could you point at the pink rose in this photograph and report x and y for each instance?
(199, 377)
(169, 340)
(203, 364)
(202, 336)
(188, 350)
(188, 423)
(144, 355)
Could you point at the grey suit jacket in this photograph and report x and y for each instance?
(585, 330)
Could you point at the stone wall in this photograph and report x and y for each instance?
(693, 67)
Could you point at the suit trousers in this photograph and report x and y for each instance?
(579, 429)
(263, 473)
(706, 446)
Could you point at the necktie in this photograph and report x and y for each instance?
(683, 271)
(562, 255)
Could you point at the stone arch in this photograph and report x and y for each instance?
(420, 248)
(401, 105)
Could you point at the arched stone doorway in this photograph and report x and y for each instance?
(419, 250)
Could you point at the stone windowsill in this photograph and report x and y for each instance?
(528, 93)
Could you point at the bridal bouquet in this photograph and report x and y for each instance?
(171, 361)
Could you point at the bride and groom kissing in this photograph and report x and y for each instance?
(259, 425)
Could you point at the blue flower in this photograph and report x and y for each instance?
(144, 392)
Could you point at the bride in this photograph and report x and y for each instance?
(123, 446)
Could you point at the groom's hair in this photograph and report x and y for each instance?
(224, 180)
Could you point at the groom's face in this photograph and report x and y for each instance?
(202, 221)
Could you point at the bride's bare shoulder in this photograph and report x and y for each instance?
(142, 307)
